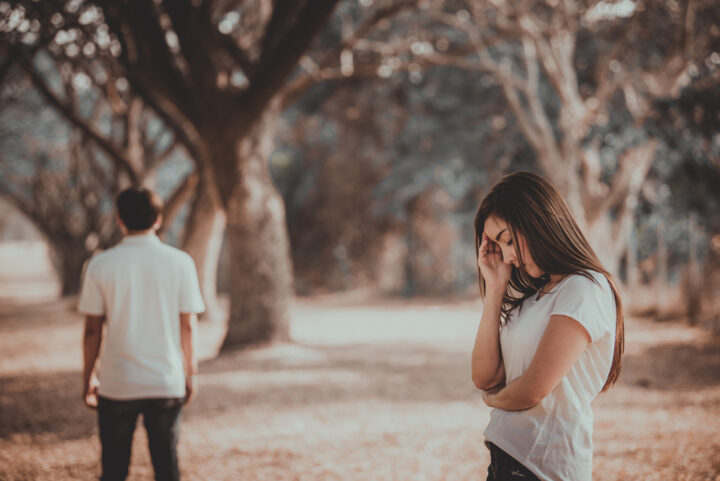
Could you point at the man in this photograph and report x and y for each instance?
(146, 294)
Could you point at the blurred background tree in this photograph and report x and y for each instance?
(342, 145)
(65, 182)
(212, 75)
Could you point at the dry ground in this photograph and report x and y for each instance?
(366, 392)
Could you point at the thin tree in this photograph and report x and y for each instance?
(66, 187)
(531, 49)
(217, 73)
(60, 50)
(218, 91)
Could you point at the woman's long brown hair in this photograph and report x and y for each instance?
(531, 206)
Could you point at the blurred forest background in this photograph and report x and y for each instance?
(322, 162)
(307, 147)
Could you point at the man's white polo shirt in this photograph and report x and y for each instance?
(142, 286)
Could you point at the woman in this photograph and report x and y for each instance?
(551, 334)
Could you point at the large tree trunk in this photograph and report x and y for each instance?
(203, 239)
(661, 274)
(260, 265)
(410, 244)
(68, 261)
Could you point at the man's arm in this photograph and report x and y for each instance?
(188, 342)
(562, 344)
(92, 338)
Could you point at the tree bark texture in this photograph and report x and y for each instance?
(261, 284)
(204, 232)
(68, 261)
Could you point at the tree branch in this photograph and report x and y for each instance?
(176, 200)
(322, 73)
(284, 13)
(145, 53)
(236, 53)
(276, 64)
(631, 173)
(193, 43)
(6, 64)
(71, 116)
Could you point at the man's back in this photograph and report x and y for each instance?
(142, 286)
(144, 295)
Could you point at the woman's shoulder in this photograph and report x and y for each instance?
(588, 298)
(585, 282)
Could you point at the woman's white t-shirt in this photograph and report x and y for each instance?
(554, 438)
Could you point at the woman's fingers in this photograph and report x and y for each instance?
(490, 246)
(483, 246)
(489, 253)
(482, 253)
(498, 250)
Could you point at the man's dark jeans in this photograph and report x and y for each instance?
(504, 467)
(117, 420)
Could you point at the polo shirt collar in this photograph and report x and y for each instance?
(140, 238)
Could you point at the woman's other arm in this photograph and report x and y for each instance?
(562, 344)
(488, 370)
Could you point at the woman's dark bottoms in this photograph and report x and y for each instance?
(504, 467)
(117, 420)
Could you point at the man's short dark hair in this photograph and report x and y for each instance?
(138, 208)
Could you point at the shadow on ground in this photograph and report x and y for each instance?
(45, 404)
(677, 366)
(296, 375)
(50, 403)
(322, 374)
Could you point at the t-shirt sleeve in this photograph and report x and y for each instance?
(190, 296)
(589, 302)
(91, 300)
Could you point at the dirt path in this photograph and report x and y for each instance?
(365, 393)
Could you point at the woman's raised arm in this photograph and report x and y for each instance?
(487, 367)
(488, 370)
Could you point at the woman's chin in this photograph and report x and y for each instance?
(535, 273)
